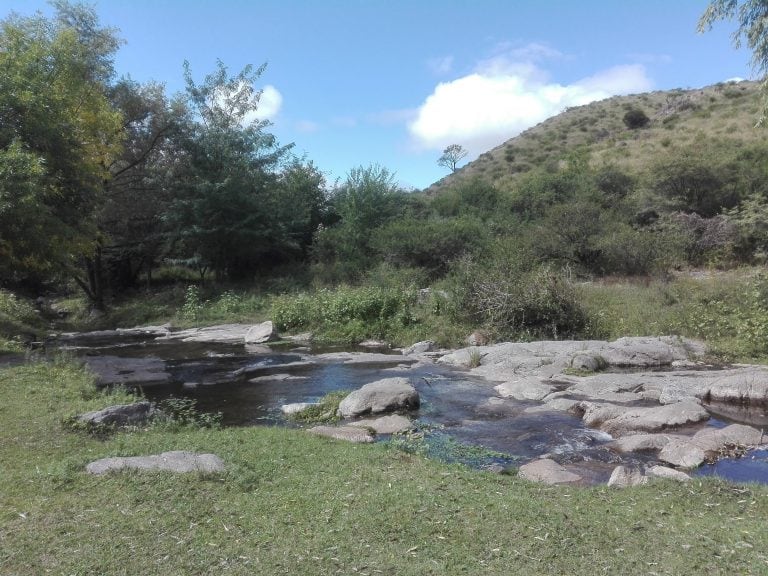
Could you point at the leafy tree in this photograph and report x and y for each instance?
(226, 197)
(452, 155)
(752, 16)
(58, 135)
(635, 118)
(132, 233)
(368, 199)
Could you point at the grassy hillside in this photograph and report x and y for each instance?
(677, 119)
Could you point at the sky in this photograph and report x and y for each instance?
(393, 82)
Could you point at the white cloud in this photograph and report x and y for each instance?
(507, 94)
(269, 105)
(306, 126)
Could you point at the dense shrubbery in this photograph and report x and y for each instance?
(347, 314)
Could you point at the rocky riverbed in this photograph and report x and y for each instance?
(565, 411)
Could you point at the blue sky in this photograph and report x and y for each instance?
(392, 82)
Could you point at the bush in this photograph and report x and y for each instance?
(635, 118)
(346, 314)
(515, 298)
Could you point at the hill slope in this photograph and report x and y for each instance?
(678, 119)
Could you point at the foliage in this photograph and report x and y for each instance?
(58, 133)
(517, 298)
(324, 411)
(368, 199)
(431, 245)
(225, 207)
(183, 412)
(346, 314)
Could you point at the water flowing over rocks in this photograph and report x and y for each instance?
(177, 461)
(650, 394)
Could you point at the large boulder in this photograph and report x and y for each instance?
(621, 420)
(177, 461)
(387, 395)
(261, 333)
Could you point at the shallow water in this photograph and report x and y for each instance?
(457, 411)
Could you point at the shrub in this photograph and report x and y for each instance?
(635, 118)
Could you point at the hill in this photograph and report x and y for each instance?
(677, 120)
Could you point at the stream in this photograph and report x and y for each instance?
(460, 419)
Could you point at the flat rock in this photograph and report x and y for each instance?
(278, 378)
(620, 420)
(116, 370)
(524, 389)
(747, 385)
(623, 477)
(177, 461)
(223, 333)
(641, 442)
(120, 414)
(548, 472)
(365, 359)
(391, 424)
(387, 395)
(668, 473)
(712, 440)
(353, 434)
(264, 369)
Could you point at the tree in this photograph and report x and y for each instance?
(452, 155)
(58, 135)
(368, 199)
(226, 197)
(752, 16)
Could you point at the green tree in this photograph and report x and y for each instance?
(752, 17)
(58, 135)
(226, 195)
(368, 199)
(452, 155)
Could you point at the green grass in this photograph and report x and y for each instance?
(292, 503)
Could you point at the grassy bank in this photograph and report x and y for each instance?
(291, 503)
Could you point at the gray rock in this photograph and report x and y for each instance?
(391, 424)
(524, 389)
(587, 362)
(420, 348)
(640, 442)
(743, 386)
(620, 420)
(548, 472)
(387, 395)
(347, 433)
(278, 378)
(223, 333)
(121, 414)
(682, 454)
(178, 461)
(261, 333)
(712, 440)
(623, 477)
(260, 369)
(668, 473)
(296, 407)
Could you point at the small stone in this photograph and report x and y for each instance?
(623, 477)
(683, 454)
(392, 424)
(177, 461)
(296, 407)
(346, 433)
(669, 473)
